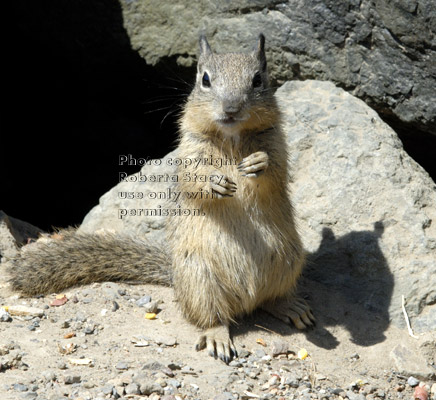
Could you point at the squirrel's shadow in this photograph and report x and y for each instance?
(347, 282)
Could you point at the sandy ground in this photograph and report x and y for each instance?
(122, 352)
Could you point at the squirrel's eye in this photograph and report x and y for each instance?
(257, 80)
(206, 80)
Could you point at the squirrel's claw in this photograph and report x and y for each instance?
(254, 165)
(218, 343)
(294, 310)
(222, 186)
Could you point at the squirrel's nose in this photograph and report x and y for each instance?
(231, 107)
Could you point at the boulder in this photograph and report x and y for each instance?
(383, 52)
(14, 233)
(411, 363)
(149, 193)
(365, 211)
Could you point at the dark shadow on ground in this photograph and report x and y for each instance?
(347, 282)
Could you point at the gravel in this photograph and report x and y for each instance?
(32, 367)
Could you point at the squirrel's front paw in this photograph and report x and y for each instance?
(254, 165)
(222, 185)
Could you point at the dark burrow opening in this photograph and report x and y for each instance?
(77, 97)
(420, 145)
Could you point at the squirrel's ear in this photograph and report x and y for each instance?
(204, 46)
(260, 52)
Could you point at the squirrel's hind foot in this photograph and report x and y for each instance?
(218, 343)
(293, 309)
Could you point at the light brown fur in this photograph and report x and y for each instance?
(244, 252)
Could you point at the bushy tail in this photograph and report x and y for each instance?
(73, 258)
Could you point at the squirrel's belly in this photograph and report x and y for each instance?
(248, 260)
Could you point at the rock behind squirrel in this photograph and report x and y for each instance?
(242, 251)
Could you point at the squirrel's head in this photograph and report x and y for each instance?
(232, 90)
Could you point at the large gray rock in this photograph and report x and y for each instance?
(115, 209)
(384, 52)
(366, 209)
(366, 212)
(14, 233)
(410, 363)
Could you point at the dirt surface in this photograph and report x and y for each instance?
(126, 355)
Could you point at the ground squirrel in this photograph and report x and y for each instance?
(242, 253)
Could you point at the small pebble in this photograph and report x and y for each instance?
(115, 306)
(174, 382)
(110, 291)
(151, 307)
(143, 301)
(132, 388)
(291, 380)
(259, 353)
(66, 324)
(80, 317)
(89, 329)
(62, 365)
(166, 341)
(108, 389)
(168, 372)
(5, 316)
(273, 381)
(160, 380)
(235, 363)
(243, 353)
(122, 366)
(19, 387)
(412, 381)
(304, 391)
(420, 393)
(21, 310)
(149, 388)
(279, 347)
(155, 366)
(399, 388)
(29, 395)
(70, 379)
(49, 376)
